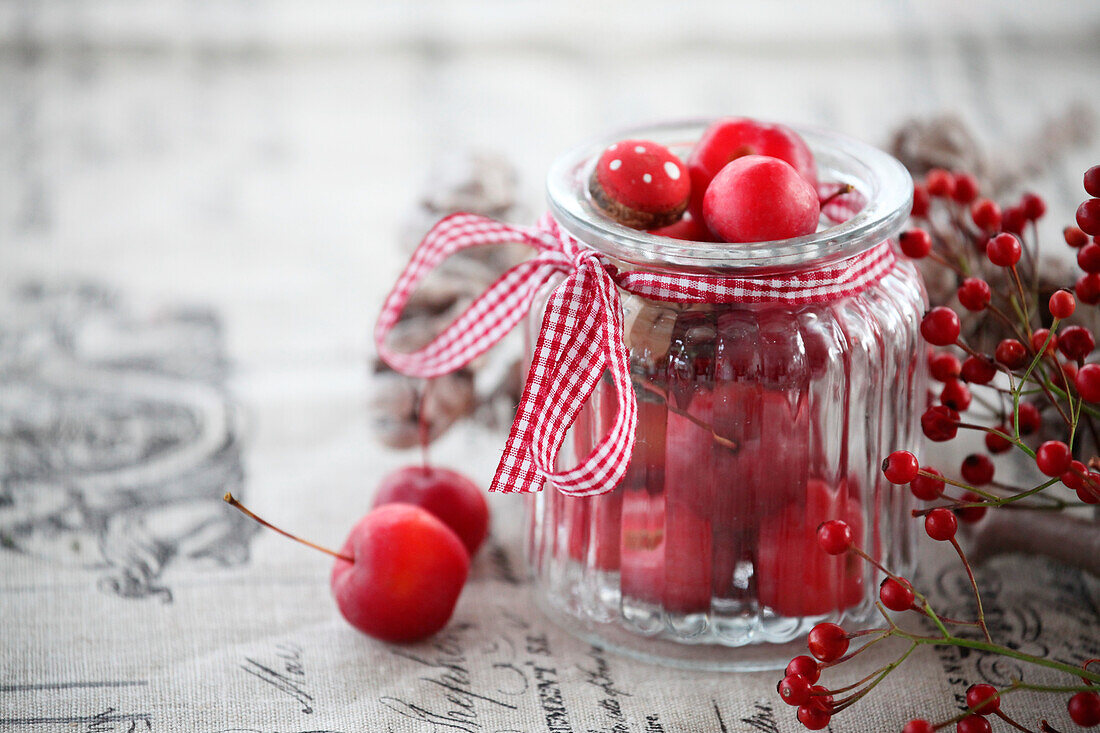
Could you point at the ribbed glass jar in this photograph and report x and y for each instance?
(756, 422)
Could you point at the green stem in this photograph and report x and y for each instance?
(848, 702)
(1025, 494)
(983, 646)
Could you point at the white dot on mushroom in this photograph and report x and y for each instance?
(672, 170)
(639, 148)
(647, 178)
(615, 164)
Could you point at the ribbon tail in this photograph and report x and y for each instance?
(580, 339)
(516, 472)
(603, 469)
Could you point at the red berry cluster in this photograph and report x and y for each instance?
(1037, 386)
(744, 181)
(1049, 359)
(830, 644)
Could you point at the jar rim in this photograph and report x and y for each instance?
(879, 177)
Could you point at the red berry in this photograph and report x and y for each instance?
(1043, 340)
(940, 326)
(1075, 237)
(955, 395)
(1011, 353)
(1084, 707)
(915, 243)
(895, 595)
(1087, 288)
(821, 699)
(939, 423)
(998, 442)
(1092, 181)
(940, 183)
(1039, 337)
(1088, 216)
(451, 497)
(978, 370)
(986, 215)
(1088, 382)
(640, 184)
(813, 718)
(827, 642)
(1034, 206)
(983, 699)
(921, 201)
(805, 666)
(973, 724)
(1088, 257)
(970, 514)
(1013, 220)
(1003, 250)
(918, 726)
(1074, 477)
(966, 188)
(408, 572)
(900, 467)
(834, 536)
(1090, 492)
(1053, 458)
(1028, 418)
(1061, 304)
(1069, 368)
(794, 689)
(977, 470)
(941, 524)
(756, 198)
(927, 488)
(944, 366)
(1076, 342)
(974, 294)
(733, 137)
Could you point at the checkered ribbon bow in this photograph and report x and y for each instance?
(581, 335)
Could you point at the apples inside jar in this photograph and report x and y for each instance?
(758, 419)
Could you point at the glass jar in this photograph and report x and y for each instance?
(756, 422)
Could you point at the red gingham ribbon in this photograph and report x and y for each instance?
(581, 335)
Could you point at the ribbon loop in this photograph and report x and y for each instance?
(581, 337)
(489, 318)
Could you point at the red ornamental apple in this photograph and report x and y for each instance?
(407, 572)
(399, 574)
(794, 575)
(756, 198)
(688, 228)
(666, 554)
(734, 137)
(447, 494)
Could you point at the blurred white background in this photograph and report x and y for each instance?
(261, 157)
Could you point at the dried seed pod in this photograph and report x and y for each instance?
(396, 409)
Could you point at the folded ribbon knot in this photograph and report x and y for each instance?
(581, 335)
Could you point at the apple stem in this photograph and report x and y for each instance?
(845, 189)
(232, 501)
(423, 431)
